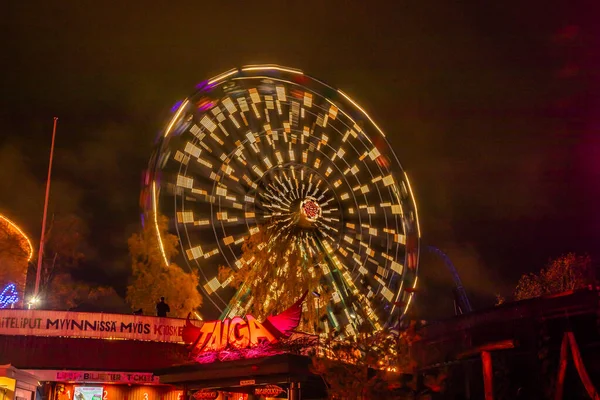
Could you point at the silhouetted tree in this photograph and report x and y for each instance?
(567, 272)
(151, 278)
(66, 293)
(374, 365)
(64, 254)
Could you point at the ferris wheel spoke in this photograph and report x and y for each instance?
(261, 151)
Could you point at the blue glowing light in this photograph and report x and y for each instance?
(176, 106)
(8, 296)
(202, 85)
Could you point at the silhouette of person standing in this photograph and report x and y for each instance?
(162, 308)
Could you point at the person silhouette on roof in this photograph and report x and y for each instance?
(162, 308)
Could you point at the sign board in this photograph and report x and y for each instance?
(268, 391)
(241, 333)
(88, 393)
(90, 325)
(205, 394)
(94, 376)
(247, 382)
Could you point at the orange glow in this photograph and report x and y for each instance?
(176, 117)
(411, 295)
(415, 203)
(239, 336)
(237, 333)
(258, 331)
(222, 76)
(18, 230)
(155, 210)
(271, 68)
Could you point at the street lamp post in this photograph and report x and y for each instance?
(38, 273)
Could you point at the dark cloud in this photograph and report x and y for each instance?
(489, 106)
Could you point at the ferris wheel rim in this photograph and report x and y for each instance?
(238, 74)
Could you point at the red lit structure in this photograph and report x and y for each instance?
(118, 355)
(236, 338)
(65, 350)
(152, 364)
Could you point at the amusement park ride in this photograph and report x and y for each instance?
(269, 148)
(268, 152)
(21, 252)
(263, 152)
(462, 305)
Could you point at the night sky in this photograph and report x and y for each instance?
(491, 107)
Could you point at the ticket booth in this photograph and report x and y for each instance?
(16, 384)
(103, 385)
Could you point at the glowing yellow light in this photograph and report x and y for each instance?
(411, 295)
(176, 117)
(16, 228)
(412, 196)
(272, 67)
(154, 209)
(222, 76)
(362, 110)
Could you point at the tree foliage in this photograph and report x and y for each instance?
(63, 251)
(567, 272)
(62, 260)
(279, 258)
(66, 293)
(374, 365)
(64, 257)
(351, 367)
(151, 278)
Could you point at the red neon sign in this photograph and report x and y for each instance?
(268, 391)
(205, 394)
(241, 333)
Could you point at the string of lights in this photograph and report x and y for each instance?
(268, 147)
(9, 296)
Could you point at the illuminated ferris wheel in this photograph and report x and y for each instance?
(267, 150)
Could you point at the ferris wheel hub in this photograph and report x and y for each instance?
(310, 209)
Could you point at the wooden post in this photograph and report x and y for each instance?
(583, 375)
(294, 393)
(467, 381)
(562, 369)
(488, 375)
(502, 345)
(486, 360)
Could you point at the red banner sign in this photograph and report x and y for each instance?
(241, 333)
(89, 325)
(94, 376)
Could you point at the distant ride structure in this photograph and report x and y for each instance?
(269, 148)
(16, 251)
(12, 235)
(462, 305)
